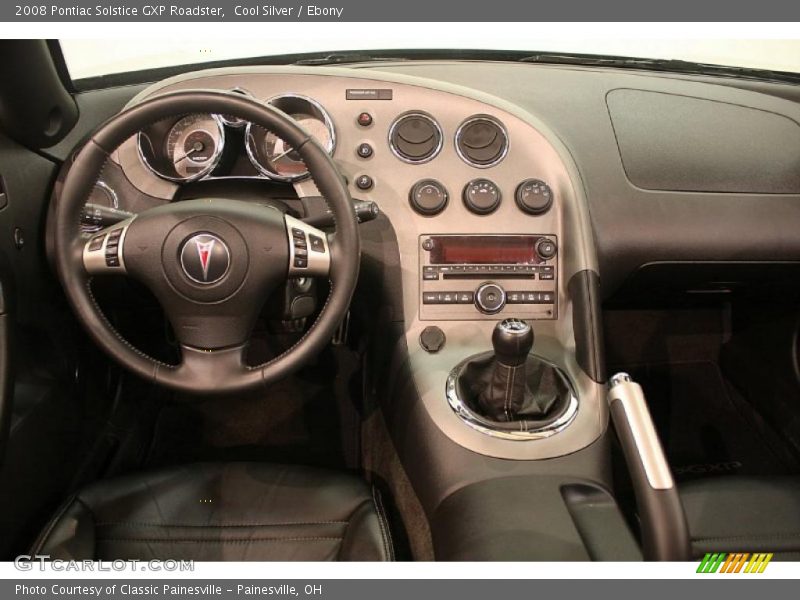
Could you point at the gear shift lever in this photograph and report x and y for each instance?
(512, 340)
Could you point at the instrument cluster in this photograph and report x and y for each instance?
(199, 146)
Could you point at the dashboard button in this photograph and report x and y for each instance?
(364, 182)
(364, 119)
(364, 150)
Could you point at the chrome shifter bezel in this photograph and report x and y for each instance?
(487, 427)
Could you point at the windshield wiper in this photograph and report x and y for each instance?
(664, 65)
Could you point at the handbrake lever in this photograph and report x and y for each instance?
(665, 534)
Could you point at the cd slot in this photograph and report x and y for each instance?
(488, 273)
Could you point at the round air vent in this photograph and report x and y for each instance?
(415, 138)
(482, 142)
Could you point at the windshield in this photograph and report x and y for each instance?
(99, 57)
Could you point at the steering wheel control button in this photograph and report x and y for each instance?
(364, 119)
(482, 196)
(96, 243)
(309, 252)
(534, 196)
(205, 258)
(432, 339)
(546, 249)
(317, 244)
(490, 298)
(364, 182)
(364, 150)
(428, 197)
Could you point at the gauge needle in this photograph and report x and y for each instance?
(282, 154)
(197, 147)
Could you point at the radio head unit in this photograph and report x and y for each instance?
(466, 277)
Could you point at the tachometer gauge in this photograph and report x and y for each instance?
(276, 159)
(185, 150)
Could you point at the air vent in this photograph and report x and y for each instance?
(415, 138)
(482, 142)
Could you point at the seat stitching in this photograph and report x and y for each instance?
(222, 525)
(347, 527)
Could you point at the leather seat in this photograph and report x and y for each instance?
(744, 514)
(215, 512)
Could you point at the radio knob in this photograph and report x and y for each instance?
(490, 298)
(546, 249)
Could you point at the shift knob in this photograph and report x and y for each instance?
(512, 340)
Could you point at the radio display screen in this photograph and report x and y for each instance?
(484, 250)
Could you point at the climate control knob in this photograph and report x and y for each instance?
(534, 197)
(490, 298)
(428, 197)
(482, 196)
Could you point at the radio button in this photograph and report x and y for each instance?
(465, 297)
(430, 276)
(430, 298)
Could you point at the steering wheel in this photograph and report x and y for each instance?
(210, 262)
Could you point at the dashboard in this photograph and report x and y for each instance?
(506, 190)
(474, 192)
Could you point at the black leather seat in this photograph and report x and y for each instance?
(214, 512)
(744, 514)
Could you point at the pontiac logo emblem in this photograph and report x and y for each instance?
(205, 258)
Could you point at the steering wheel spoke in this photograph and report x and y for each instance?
(309, 252)
(103, 252)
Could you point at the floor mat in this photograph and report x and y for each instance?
(704, 431)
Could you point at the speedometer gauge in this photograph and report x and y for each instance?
(276, 159)
(185, 150)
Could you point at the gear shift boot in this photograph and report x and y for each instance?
(535, 393)
(511, 387)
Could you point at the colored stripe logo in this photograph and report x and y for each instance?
(738, 562)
